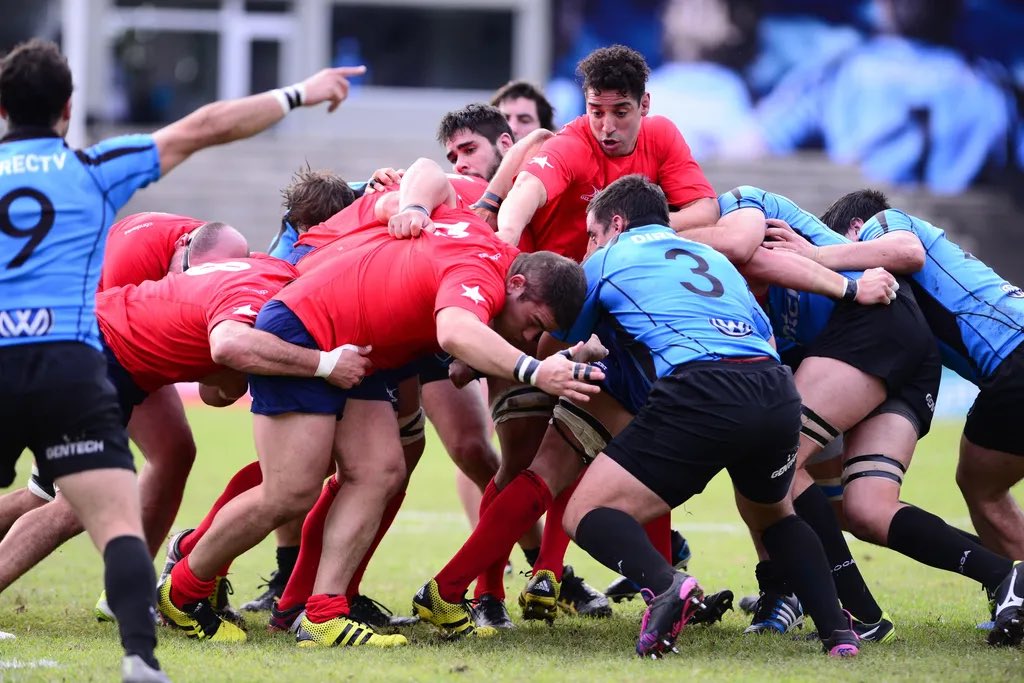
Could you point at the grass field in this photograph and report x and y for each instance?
(50, 610)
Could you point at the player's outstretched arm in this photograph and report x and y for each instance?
(236, 345)
(526, 196)
(792, 271)
(229, 120)
(461, 334)
(899, 251)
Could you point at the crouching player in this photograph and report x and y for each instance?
(721, 400)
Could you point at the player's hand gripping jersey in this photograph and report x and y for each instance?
(573, 168)
(797, 317)
(159, 330)
(368, 288)
(56, 205)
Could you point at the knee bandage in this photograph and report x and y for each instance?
(412, 428)
(521, 401)
(45, 489)
(815, 428)
(875, 465)
(587, 429)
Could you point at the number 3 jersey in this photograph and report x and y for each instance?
(677, 301)
(56, 205)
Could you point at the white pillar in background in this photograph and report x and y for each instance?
(76, 36)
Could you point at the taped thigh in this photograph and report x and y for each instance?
(520, 401)
(587, 429)
(816, 428)
(874, 465)
(412, 428)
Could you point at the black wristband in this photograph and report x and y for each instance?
(851, 290)
(566, 352)
(415, 207)
(481, 204)
(491, 197)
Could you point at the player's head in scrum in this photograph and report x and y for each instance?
(475, 139)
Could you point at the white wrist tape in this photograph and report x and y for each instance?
(290, 97)
(525, 369)
(328, 359)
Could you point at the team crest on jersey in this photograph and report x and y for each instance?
(1012, 291)
(25, 322)
(453, 230)
(541, 161)
(588, 197)
(732, 328)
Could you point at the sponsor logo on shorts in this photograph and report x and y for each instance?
(930, 400)
(25, 322)
(732, 328)
(64, 450)
(789, 463)
(1012, 291)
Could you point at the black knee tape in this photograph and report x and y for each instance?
(874, 465)
(816, 428)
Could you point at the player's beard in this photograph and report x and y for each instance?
(494, 166)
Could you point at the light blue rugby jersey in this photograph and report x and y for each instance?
(976, 315)
(56, 206)
(797, 317)
(676, 300)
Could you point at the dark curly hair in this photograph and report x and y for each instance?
(477, 118)
(35, 83)
(615, 69)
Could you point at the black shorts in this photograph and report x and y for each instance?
(434, 368)
(992, 420)
(741, 416)
(57, 401)
(893, 343)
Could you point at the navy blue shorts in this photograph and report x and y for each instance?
(296, 254)
(276, 395)
(624, 379)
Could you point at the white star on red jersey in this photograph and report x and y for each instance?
(473, 293)
(542, 162)
(245, 310)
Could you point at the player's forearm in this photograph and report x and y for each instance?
(425, 184)
(462, 335)
(896, 253)
(695, 214)
(501, 184)
(792, 271)
(736, 245)
(243, 348)
(525, 197)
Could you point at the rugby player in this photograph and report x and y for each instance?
(403, 298)
(525, 108)
(721, 400)
(978, 320)
(55, 390)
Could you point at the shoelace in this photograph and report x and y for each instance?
(492, 609)
(369, 603)
(267, 583)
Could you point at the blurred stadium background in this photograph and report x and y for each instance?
(808, 98)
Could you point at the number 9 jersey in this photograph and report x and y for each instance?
(56, 206)
(677, 301)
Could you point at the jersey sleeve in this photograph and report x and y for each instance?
(680, 176)
(884, 222)
(590, 314)
(743, 197)
(283, 241)
(557, 163)
(123, 165)
(475, 287)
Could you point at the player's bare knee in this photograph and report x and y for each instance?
(475, 458)
(871, 486)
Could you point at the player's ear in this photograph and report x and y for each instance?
(645, 104)
(505, 142)
(515, 284)
(855, 225)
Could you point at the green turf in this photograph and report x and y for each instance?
(935, 612)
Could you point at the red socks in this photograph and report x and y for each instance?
(324, 607)
(504, 518)
(246, 478)
(555, 541)
(660, 532)
(300, 584)
(186, 587)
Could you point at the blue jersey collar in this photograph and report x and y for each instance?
(29, 132)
